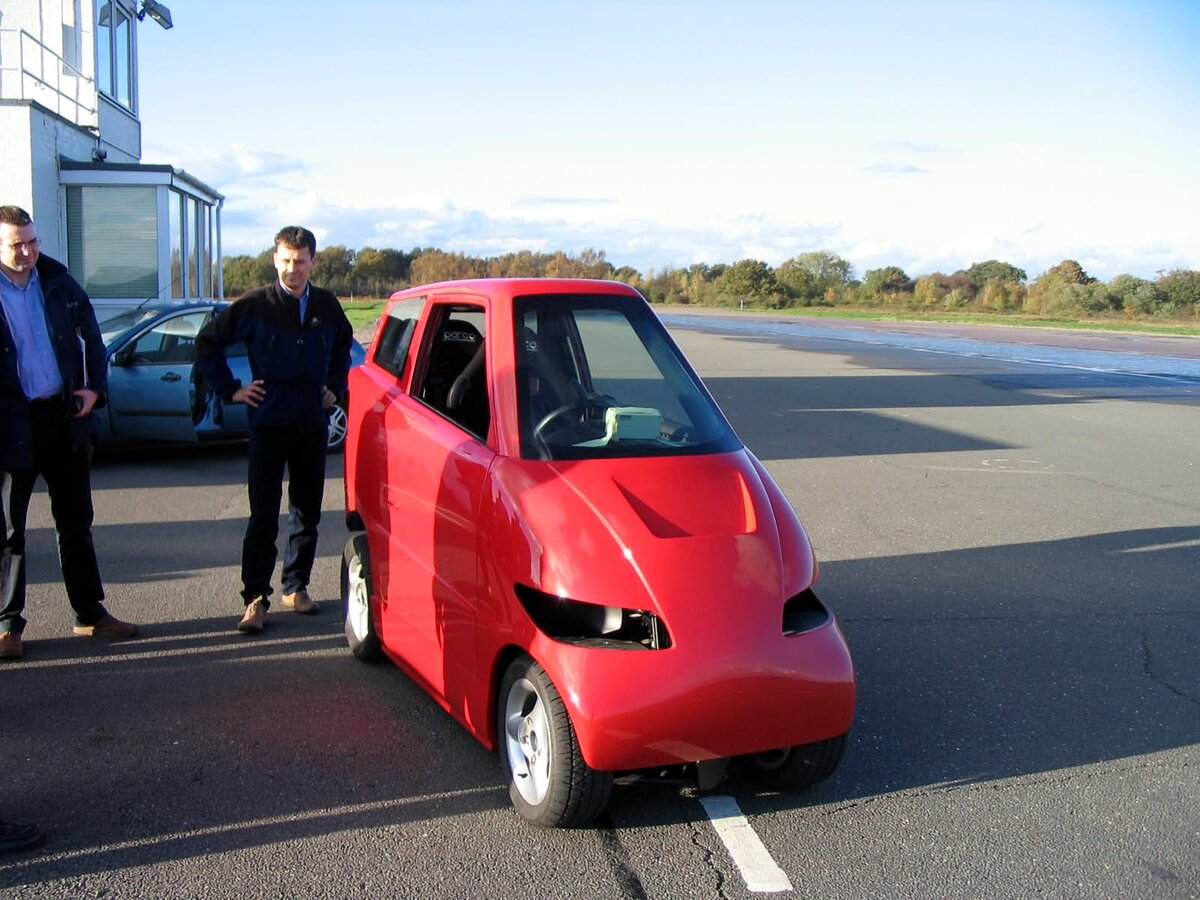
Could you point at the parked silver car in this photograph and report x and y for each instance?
(155, 390)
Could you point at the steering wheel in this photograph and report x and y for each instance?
(579, 407)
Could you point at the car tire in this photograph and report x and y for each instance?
(793, 768)
(356, 607)
(548, 781)
(337, 428)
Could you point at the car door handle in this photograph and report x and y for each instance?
(171, 376)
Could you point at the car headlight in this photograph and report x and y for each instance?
(593, 625)
(803, 612)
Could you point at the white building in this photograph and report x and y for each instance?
(71, 149)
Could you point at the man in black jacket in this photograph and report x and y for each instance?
(299, 340)
(52, 375)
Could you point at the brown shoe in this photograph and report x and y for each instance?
(255, 618)
(109, 627)
(300, 602)
(11, 645)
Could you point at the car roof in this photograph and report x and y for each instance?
(508, 288)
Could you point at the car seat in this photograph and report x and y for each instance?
(453, 350)
(467, 399)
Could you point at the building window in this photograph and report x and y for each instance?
(206, 244)
(192, 219)
(114, 53)
(175, 240)
(112, 240)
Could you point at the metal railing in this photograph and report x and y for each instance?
(29, 70)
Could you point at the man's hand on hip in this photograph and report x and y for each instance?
(251, 394)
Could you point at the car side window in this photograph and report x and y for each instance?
(172, 340)
(391, 350)
(454, 381)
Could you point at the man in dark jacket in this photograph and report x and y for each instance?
(299, 340)
(52, 375)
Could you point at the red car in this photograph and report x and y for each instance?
(558, 535)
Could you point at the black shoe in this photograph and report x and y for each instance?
(14, 838)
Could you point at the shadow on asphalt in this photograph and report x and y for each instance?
(194, 740)
(1018, 661)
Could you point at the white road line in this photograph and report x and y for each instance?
(758, 869)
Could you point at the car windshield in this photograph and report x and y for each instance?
(598, 377)
(111, 329)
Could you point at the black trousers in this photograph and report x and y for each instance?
(302, 453)
(67, 473)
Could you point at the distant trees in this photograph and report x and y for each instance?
(886, 284)
(814, 278)
(750, 281)
(955, 291)
(346, 272)
(244, 272)
(1064, 289)
(1182, 287)
(993, 270)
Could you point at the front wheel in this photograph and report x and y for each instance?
(356, 605)
(793, 768)
(548, 781)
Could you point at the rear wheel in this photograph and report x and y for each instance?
(792, 768)
(548, 781)
(356, 606)
(337, 428)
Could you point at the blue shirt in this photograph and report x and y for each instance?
(25, 309)
(303, 298)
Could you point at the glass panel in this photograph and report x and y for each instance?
(123, 58)
(192, 218)
(175, 239)
(104, 67)
(170, 341)
(115, 326)
(205, 250)
(600, 377)
(391, 351)
(112, 240)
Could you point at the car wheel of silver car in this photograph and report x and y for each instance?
(792, 768)
(337, 427)
(356, 591)
(548, 781)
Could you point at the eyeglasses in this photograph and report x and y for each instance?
(24, 246)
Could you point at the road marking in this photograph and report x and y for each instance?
(758, 869)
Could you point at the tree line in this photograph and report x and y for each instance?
(817, 278)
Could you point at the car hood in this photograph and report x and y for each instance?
(652, 533)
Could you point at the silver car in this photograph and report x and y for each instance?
(155, 390)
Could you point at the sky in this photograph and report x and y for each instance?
(927, 135)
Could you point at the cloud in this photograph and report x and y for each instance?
(890, 168)
(233, 169)
(908, 147)
(646, 243)
(565, 201)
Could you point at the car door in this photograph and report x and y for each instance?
(152, 381)
(217, 418)
(436, 470)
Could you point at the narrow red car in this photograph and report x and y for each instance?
(558, 535)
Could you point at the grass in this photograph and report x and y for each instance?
(363, 312)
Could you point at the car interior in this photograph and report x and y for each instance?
(455, 382)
